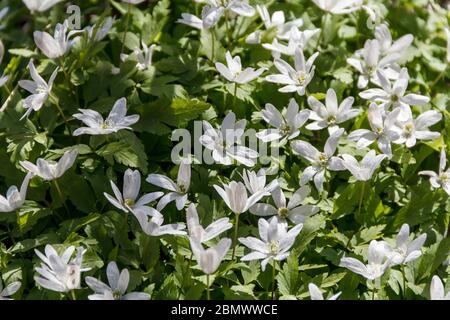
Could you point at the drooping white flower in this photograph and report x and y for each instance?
(14, 198)
(128, 201)
(151, 222)
(276, 22)
(210, 259)
(233, 71)
(286, 124)
(117, 120)
(143, 56)
(406, 250)
(363, 170)
(225, 142)
(51, 170)
(236, 198)
(60, 273)
(382, 129)
(331, 114)
(256, 182)
(275, 242)
(100, 31)
(209, 18)
(394, 95)
(178, 191)
(117, 288)
(442, 178)
(9, 290)
(40, 5)
(368, 61)
(58, 45)
(410, 130)
(339, 6)
(296, 39)
(437, 291)
(377, 261)
(283, 209)
(321, 161)
(39, 89)
(294, 80)
(200, 234)
(387, 45)
(316, 294)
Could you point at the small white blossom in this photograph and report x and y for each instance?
(233, 71)
(40, 5)
(256, 182)
(200, 234)
(128, 200)
(442, 178)
(39, 89)
(210, 16)
(236, 198)
(283, 209)
(286, 124)
(316, 294)
(296, 39)
(9, 290)
(60, 273)
(3, 79)
(387, 45)
(133, 1)
(447, 32)
(295, 80)
(14, 198)
(117, 288)
(58, 45)
(210, 259)
(143, 56)
(96, 125)
(51, 170)
(363, 170)
(101, 31)
(178, 191)
(275, 242)
(437, 290)
(154, 226)
(339, 6)
(331, 114)
(321, 161)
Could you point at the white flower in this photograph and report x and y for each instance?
(14, 198)
(368, 61)
(50, 170)
(441, 179)
(56, 46)
(321, 161)
(40, 5)
(118, 285)
(295, 80)
(410, 130)
(406, 250)
(383, 130)
(209, 260)
(233, 71)
(210, 16)
(225, 142)
(286, 123)
(447, 32)
(387, 45)
(394, 95)
(437, 291)
(200, 234)
(377, 262)
(239, 7)
(60, 273)
(235, 196)
(331, 114)
(3, 13)
(363, 170)
(154, 226)
(101, 31)
(316, 294)
(275, 242)
(144, 56)
(9, 290)
(296, 39)
(128, 201)
(178, 191)
(339, 6)
(275, 22)
(3, 79)
(39, 89)
(133, 1)
(292, 209)
(256, 182)
(96, 125)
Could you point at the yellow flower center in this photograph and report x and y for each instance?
(274, 247)
(129, 202)
(283, 212)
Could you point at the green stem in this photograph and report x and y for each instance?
(404, 281)
(58, 189)
(208, 296)
(73, 296)
(213, 44)
(373, 292)
(319, 41)
(235, 236)
(234, 95)
(126, 27)
(439, 77)
(274, 268)
(361, 198)
(227, 28)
